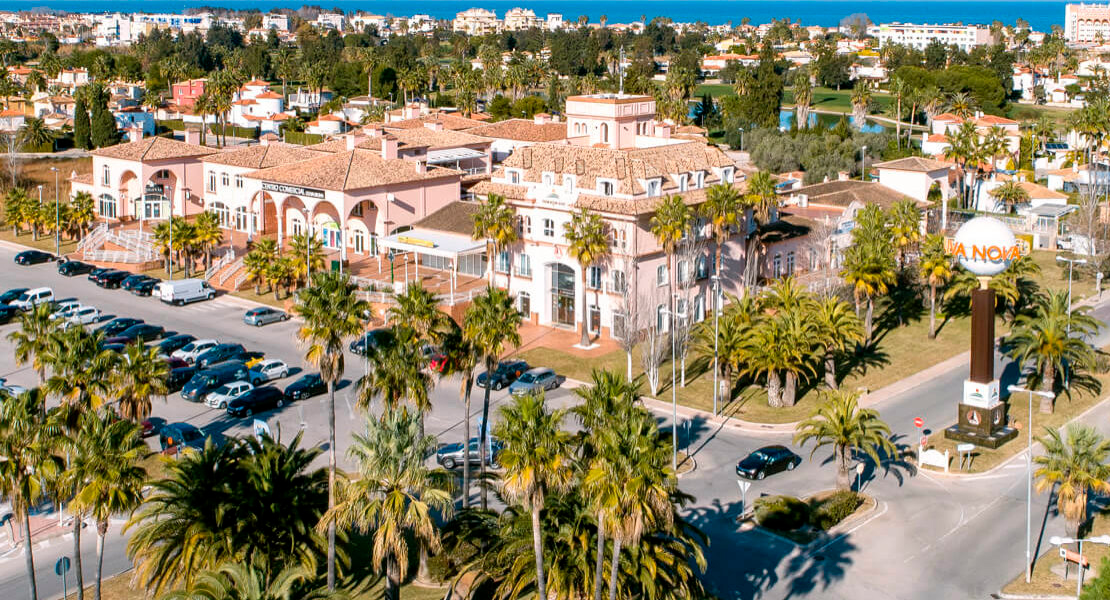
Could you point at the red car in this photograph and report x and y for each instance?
(438, 362)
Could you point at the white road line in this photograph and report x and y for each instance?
(849, 532)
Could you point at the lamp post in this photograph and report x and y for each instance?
(1060, 541)
(859, 476)
(1071, 265)
(674, 392)
(741, 138)
(307, 247)
(863, 164)
(57, 217)
(1014, 389)
(716, 337)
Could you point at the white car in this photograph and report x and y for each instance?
(268, 370)
(83, 315)
(64, 308)
(189, 352)
(11, 388)
(226, 393)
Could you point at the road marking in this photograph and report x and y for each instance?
(850, 531)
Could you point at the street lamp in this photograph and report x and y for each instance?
(1060, 541)
(1014, 389)
(716, 335)
(307, 248)
(863, 164)
(1071, 266)
(674, 391)
(859, 476)
(741, 138)
(57, 217)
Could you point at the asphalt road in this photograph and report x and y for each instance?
(930, 537)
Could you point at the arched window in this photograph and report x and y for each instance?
(242, 219)
(222, 213)
(604, 133)
(107, 206)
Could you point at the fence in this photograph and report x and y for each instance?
(228, 256)
(234, 268)
(93, 239)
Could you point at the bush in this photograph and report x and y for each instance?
(834, 509)
(781, 513)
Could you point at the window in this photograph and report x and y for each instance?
(357, 210)
(211, 181)
(620, 325)
(107, 206)
(699, 308)
(224, 179)
(222, 213)
(524, 265)
(568, 183)
(360, 240)
(703, 267)
(524, 304)
(297, 227)
(726, 175)
(619, 282)
(683, 272)
(654, 187)
(604, 133)
(244, 220)
(549, 179)
(661, 318)
(699, 179)
(790, 263)
(812, 259)
(606, 188)
(503, 262)
(619, 238)
(548, 228)
(777, 265)
(683, 182)
(524, 226)
(239, 181)
(593, 278)
(595, 319)
(162, 174)
(661, 275)
(514, 177)
(106, 178)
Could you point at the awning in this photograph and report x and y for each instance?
(440, 157)
(432, 243)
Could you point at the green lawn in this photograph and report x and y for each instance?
(1025, 112)
(1044, 582)
(832, 100)
(716, 90)
(119, 588)
(45, 242)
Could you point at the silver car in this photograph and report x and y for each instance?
(264, 315)
(536, 380)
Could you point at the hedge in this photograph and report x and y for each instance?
(304, 139)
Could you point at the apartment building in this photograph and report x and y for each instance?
(965, 37)
(476, 21)
(519, 19)
(1087, 23)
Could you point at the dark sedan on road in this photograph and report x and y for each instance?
(131, 281)
(372, 339)
(176, 436)
(11, 295)
(174, 342)
(117, 326)
(505, 374)
(7, 313)
(264, 315)
(307, 386)
(450, 456)
(140, 333)
(255, 401)
(112, 279)
(219, 353)
(69, 268)
(145, 287)
(767, 461)
(33, 257)
(178, 377)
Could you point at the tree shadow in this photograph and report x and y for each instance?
(720, 521)
(820, 568)
(863, 359)
(902, 305)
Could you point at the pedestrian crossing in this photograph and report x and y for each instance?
(208, 306)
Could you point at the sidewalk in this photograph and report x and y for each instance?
(45, 527)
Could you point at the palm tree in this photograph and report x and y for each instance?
(899, 89)
(462, 358)
(803, 97)
(840, 422)
(587, 243)
(869, 268)
(491, 324)
(27, 440)
(861, 103)
(495, 222)
(936, 268)
(108, 452)
(16, 204)
(139, 375)
(418, 309)
(1053, 342)
(396, 374)
(966, 149)
(1076, 465)
(905, 228)
(34, 338)
(306, 251)
(536, 458)
(837, 327)
(82, 212)
(734, 330)
(394, 493)
(962, 104)
(281, 272)
(257, 266)
(332, 313)
(207, 234)
(237, 581)
(34, 133)
(1010, 194)
(761, 197)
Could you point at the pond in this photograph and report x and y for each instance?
(827, 121)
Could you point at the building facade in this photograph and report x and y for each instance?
(965, 37)
(1086, 23)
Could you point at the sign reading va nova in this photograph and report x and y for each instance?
(985, 246)
(294, 190)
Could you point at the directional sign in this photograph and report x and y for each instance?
(744, 485)
(62, 566)
(918, 422)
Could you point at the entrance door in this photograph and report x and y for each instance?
(562, 295)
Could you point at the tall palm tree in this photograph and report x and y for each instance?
(837, 328)
(418, 309)
(207, 234)
(760, 199)
(861, 103)
(803, 97)
(1052, 342)
(257, 266)
(396, 374)
(723, 209)
(82, 212)
(238, 581)
(281, 272)
(962, 104)
(1010, 194)
(839, 422)
(16, 204)
(394, 493)
(462, 359)
(306, 252)
(965, 148)
(34, 338)
(27, 440)
(332, 313)
(869, 268)
(35, 133)
(905, 228)
(936, 269)
(139, 375)
(1075, 465)
(536, 458)
(588, 243)
(495, 222)
(491, 324)
(899, 89)
(734, 330)
(108, 452)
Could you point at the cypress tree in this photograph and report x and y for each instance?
(81, 125)
(104, 130)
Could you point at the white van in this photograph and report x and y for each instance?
(184, 291)
(31, 298)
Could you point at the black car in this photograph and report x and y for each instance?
(306, 386)
(130, 281)
(7, 313)
(11, 295)
(145, 287)
(117, 326)
(117, 348)
(507, 371)
(257, 400)
(140, 333)
(767, 461)
(174, 342)
(220, 353)
(97, 272)
(372, 339)
(69, 268)
(180, 435)
(208, 380)
(178, 377)
(33, 257)
(112, 279)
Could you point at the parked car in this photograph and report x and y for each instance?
(10, 389)
(178, 377)
(268, 370)
(148, 428)
(221, 396)
(112, 279)
(174, 363)
(208, 380)
(768, 460)
(506, 373)
(173, 343)
(248, 357)
(536, 380)
(177, 436)
(62, 308)
(69, 268)
(255, 401)
(118, 325)
(7, 313)
(371, 339)
(97, 272)
(131, 281)
(264, 315)
(83, 315)
(219, 353)
(11, 295)
(33, 297)
(114, 347)
(145, 287)
(450, 456)
(33, 257)
(438, 362)
(140, 333)
(190, 351)
(305, 387)
(184, 291)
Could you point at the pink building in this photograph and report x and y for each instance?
(185, 93)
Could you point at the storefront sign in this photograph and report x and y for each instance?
(982, 395)
(985, 246)
(295, 190)
(404, 239)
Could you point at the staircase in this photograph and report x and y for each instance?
(129, 247)
(94, 238)
(230, 275)
(220, 263)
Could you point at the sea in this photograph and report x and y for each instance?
(1041, 14)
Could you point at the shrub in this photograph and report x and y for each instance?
(782, 513)
(834, 509)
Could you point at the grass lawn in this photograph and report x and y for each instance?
(1025, 112)
(45, 242)
(715, 90)
(119, 588)
(36, 171)
(266, 297)
(837, 100)
(1045, 582)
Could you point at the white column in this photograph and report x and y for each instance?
(280, 222)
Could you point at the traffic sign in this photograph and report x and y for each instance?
(744, 485)
(918, 422)
(62, 566)
(924, 440)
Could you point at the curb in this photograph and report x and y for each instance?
(838, 531)
(1006, 596)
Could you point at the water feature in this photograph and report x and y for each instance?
(827, 121)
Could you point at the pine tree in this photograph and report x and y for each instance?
(81, 124)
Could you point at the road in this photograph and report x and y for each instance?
(930, 537)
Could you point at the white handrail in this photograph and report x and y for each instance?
(234, 268)
(221, 262)
(96, 236)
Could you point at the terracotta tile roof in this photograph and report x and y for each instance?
(153, 148)
(1037, 192)
(408, 138)
(274, 154)
(354, 170)
(456, 217)
(786, 228)
(994, 120)
(916, 164)
(948, 117)
(512, 192)
(255, 83)
(844, 193)
(1068, 173)
(937, 138)
(86, 178)
(11, 112)
(243, 102)
(643, 206)
(450, 121)
(522, 130)
(269, 96)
